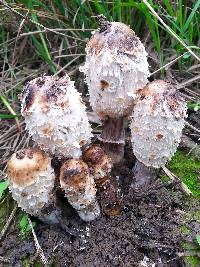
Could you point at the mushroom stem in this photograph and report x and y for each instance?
(143, 175)
(110, 195)
(113, 137)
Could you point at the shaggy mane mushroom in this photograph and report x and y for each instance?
(156, 125)
(115, 68)
(31, 182)
(55, 116)
(79, 188)
(100, 167)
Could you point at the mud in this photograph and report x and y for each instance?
(146, 233)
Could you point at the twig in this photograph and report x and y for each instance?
(67, 65)
(181, 85)
(190, 146)
(169, 63)
(192, 127)
(70, 55)
(37, 245)
(8, 222)
(173, 177)
(18, 33)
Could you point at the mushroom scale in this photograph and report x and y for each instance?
(80, 189)
(157, 123)
(115, 68)
(55, 116)
(31, 180)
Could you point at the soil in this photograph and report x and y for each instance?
(147, 233)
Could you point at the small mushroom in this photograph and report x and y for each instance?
(157, 123)
(100, 168)
(79, 187)
(55, 116)
(31, 182)
(115, 68)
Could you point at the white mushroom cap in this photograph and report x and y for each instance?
(79, 188)
(116, 67)
(31, 179)
(55, 116)
(157, 123)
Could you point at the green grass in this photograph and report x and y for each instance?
(182, 18)
(67, 18)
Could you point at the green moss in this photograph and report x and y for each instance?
(185, 230)
(164, 178)
(187, 168)
(193, 261)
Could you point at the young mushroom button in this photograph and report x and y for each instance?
(108, 188)
(79, 188)
(31, 182)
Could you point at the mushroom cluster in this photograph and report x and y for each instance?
(116, 71)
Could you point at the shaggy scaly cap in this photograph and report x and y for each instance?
(116, 66)
(31, 179)
(55, 116)
(79, 188)
(157, 123)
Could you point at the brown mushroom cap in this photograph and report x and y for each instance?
(24, 165)
(79, 188)
(74, 174)
(31, 180)
(160, 91)
(55, 116)
(116, 67)
(98, 160)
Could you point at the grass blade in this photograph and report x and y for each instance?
(189, 20)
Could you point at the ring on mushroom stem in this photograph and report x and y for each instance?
(55, 116)
(109, 191)
(79, 188)
(157, 123)
(115, 68)
(31, 182)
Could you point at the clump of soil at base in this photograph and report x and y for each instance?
(147, 230)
